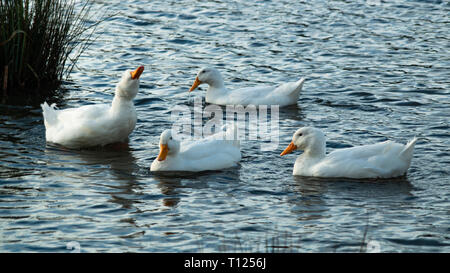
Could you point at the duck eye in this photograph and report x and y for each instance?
(300, 134)
(170, 138)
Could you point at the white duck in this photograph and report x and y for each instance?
(382, 160)
(218, 151)
(94, 125)
(282, 95)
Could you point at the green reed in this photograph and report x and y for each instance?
(40, 42)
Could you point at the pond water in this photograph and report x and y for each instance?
(375, 70)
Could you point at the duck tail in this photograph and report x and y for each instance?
(407, 152)
(296, 92)
(49, 113)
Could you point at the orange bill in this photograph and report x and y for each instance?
(137, 73)
(289, 149)
(195, 85)
(163, 150)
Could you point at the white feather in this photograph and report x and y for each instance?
(282, 95)
(382, 160)
(94, 125)
(215, 152)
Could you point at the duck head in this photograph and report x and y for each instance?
(128, 86)
(207, 75)
(309, 139)
(167, 145)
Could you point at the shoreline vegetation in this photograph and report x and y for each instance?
(40, 43)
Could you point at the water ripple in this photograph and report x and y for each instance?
(375, 70)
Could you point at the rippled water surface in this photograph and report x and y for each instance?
(375, 70)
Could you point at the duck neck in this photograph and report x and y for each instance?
(216, 87)
(317, 150)
(174, 148)
(119, 103)
(214, 91)
(216, 83)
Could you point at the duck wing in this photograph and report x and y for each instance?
(284, 94)
(376, 160)
(74, 127)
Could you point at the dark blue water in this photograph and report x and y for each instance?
(375, 70)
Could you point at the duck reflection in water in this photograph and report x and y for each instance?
(112, 167)
(315, 197)
(173, 184)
